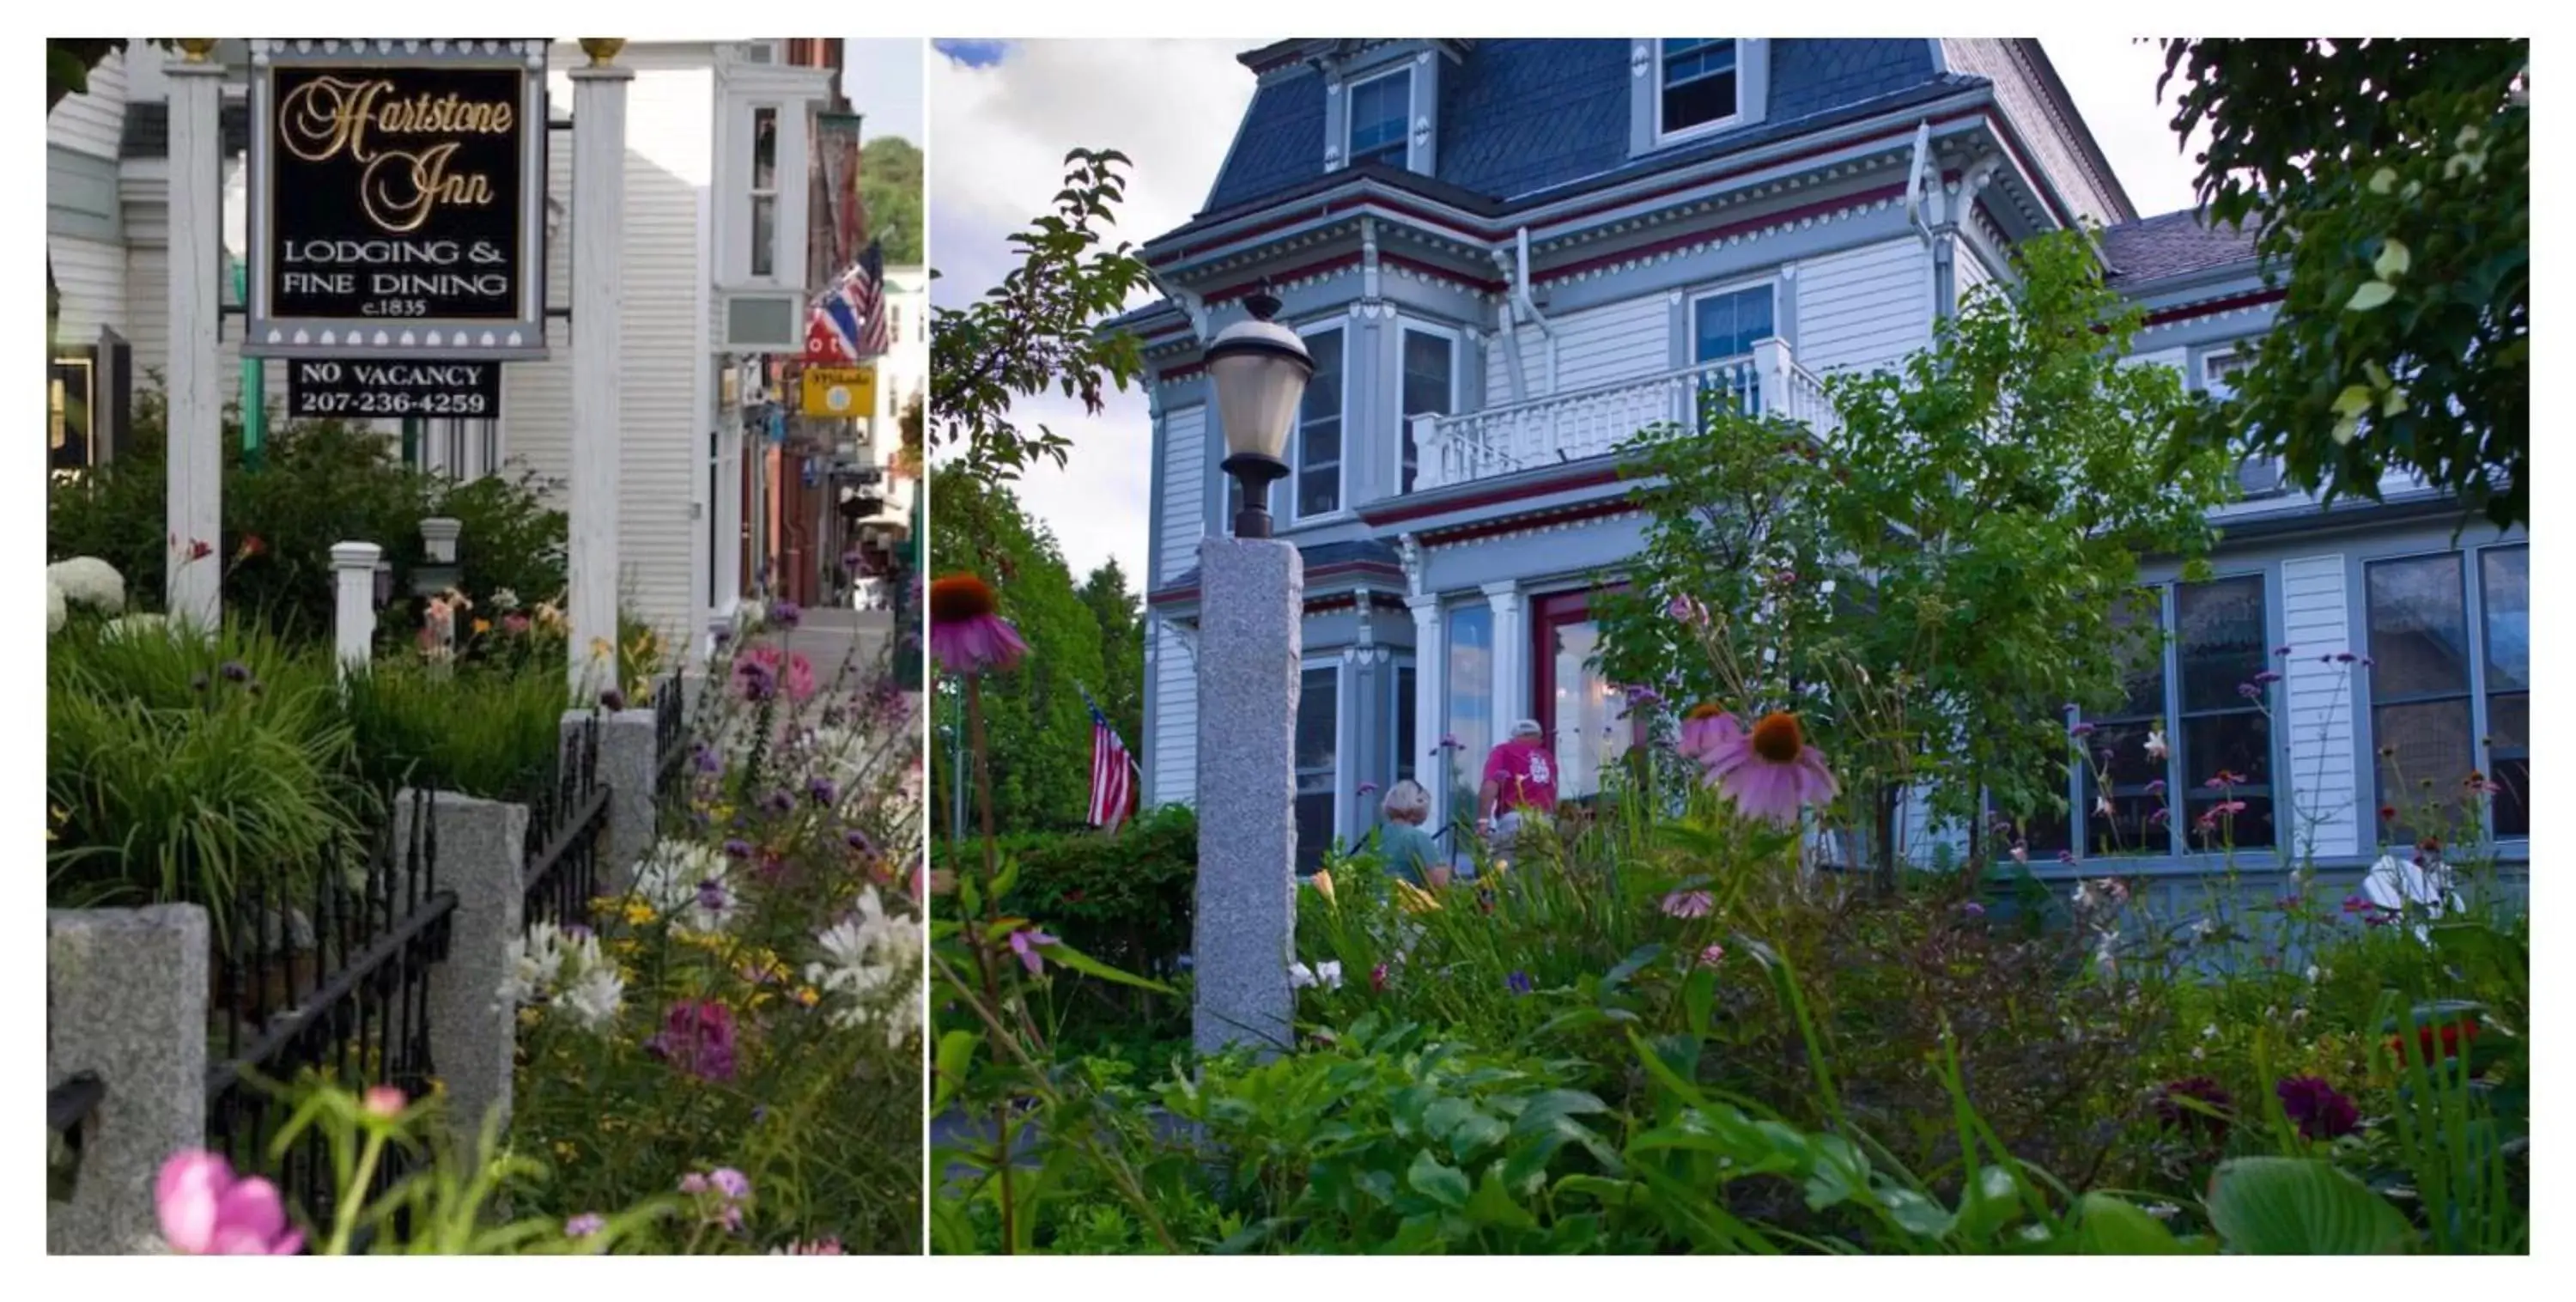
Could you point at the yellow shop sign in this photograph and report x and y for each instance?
(840, 392)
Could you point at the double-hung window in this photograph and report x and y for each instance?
(1319, 743)
(764, 192)
(1381, 111)
(2449, 692)
(1319, 429)
(1724, 327)
(1430, 381)
(1697, 83)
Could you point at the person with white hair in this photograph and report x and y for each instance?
(1410, 853)
(1520, 780)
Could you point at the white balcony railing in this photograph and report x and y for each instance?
(1589, 422)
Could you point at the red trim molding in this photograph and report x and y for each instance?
(1588, 476)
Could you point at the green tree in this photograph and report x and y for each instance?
(68, 62)
(890, 187)
(1038, 330)
(2389, 182)
(1927, 582)
(1121, 615)
(1038, 730)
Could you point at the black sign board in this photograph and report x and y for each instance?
(362, 389)
(397, 199)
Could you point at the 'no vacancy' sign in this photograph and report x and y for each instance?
(397, 193)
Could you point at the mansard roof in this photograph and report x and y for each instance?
(1522, 116)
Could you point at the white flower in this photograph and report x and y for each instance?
(504, 600)
(55, 611)
(2209, 1032)
(136, 625)
(2155, 743)
(672, 880)
(89, 581)
(2314, 972)
(536, 961)
(873, 970)
(595, 999)
(2394, 885)
(1330, 974)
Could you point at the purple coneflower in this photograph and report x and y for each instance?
(1771, 771)
(2321, 1111)
(1026, 942)
(967, 634)
(1689, 904)
(1706, 728)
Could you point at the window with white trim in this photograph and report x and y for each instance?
(1698, 86)
(1380, 116)
(1317, 457)
(1319, 744)
(1429, 387)
(2450, 701)
(2218, 372)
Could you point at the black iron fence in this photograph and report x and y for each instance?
(567, 832)
(326, 978)
(68, 1109)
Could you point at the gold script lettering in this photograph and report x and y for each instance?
(399, 189)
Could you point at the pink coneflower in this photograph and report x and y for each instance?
(1771, 771)
(1026, 942)
(966, 633)
(1689, 904)
(1706, 729)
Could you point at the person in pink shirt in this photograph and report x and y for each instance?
(1520, 777)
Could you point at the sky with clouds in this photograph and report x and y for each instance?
(882, 77)
(1004, 114)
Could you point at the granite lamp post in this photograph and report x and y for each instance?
(1249, 643)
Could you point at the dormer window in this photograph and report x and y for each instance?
(1381, 110)
(1696, 83)
(1687, 87)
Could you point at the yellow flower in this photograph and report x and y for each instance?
(600, 648)
(805, 995)
(1323, 880)
(482, 626)
(1414, 899)
(564, 1151)
(638, 913)
(1499, 866)
(531, 1016)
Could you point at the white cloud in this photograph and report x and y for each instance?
(882, 77)
(1000, 136)
(2113, 83)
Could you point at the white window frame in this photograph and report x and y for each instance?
(1350, 120)
(752, 193)
(1341, 744)
(2210, 381)
(1727, 289)
(1743, 92)
(1297, 438)
(1457, 371)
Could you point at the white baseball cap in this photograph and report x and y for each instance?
(1528, 728)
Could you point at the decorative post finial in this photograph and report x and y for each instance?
(197, 49)
(1262, 304)
(602, 49)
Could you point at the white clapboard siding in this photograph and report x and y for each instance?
(1918, 838)
(147, 319)
(1627, 340)
(1184, 488)
(536, 399)
(2316, 619)
(92, 122)
(91, 276)
(1971, 273)
(1864, 308)
(1172, 752)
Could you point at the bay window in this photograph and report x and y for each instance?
(2441, 708)
(1429, 388)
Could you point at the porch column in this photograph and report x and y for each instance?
(599, 304)
(1511, 662)
(195, 419)
(1428, 763)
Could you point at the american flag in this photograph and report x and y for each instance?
(1113, 773)
(848, 323)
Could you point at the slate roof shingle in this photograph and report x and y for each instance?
(2172, 244)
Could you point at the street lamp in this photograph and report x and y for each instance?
(1260, 369)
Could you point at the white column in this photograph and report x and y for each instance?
(195, 422)
(1511, 667)
(353, 570)
(598, 304)
(1430, 674)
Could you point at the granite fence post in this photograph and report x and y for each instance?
(125, 998)
(482, 853)
(1244, 933)
(628, 764)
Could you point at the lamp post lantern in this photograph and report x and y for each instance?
(1259, 369)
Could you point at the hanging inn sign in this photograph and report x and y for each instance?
(397, 199)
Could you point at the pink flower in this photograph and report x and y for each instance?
(1771, 771)
(1712, 956)
(789, 669)
(385, 1101)
(1689, 904)
(1687, 610)
(697, 1038)
(1707, 730)
(1026, 942)
(207, 1212)
(967, 634)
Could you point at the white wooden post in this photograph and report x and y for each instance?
(1511, 665)
(353, 568)
(599, 301)
(195, 421)
(1428, 762)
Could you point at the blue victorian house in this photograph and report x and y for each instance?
(1508, 256)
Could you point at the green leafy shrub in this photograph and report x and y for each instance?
(1125, 899)
(483, 731)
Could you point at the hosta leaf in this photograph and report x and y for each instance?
(2289, 1206)
(2113, 1227)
